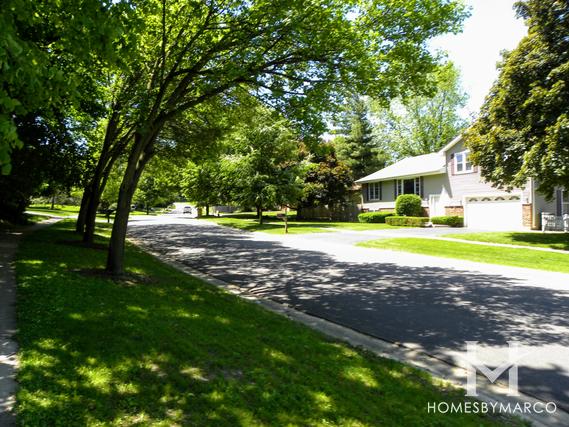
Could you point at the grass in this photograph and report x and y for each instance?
(72, 211)
(59, 210)
(273, 225)
(516, 257)
(164, 349)
(536, 239)
(33, 219)
(28, 219)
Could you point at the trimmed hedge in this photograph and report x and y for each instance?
(451, 221)
(408, 205)
(376, 217)
(407, 221)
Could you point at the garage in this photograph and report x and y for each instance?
(493, 212)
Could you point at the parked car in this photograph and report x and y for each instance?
(187, 210)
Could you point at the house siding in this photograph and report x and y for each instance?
(543, 205)
(467, 184)
(453, 188)
(432, 184)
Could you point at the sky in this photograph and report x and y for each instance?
(491, 28)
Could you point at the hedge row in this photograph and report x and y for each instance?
(407, 221)
(377, 217)
(451, 221)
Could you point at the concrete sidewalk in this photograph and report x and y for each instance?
(9, 240)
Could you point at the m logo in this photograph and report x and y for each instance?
(475, 366)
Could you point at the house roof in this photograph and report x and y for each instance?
(451, 144)
(427, 164)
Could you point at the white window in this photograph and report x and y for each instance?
(462, 163)
(409, 186)
(374, 191)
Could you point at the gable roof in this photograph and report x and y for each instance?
(451, 144)
(427, 164)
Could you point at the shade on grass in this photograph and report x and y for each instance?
(162, 348)
(516, 257)
(536, 239)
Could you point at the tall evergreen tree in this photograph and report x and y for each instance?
(356, 147)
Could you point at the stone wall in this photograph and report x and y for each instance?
(527, 217)
(454, 211)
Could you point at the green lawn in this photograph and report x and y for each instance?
(59, 210)
(516, 257)
(538, 239)
(273, 225)
(164, 349)
(33, 219)
(71, 211)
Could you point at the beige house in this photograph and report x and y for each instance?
(449, 184)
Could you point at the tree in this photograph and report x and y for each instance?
(202, 183)
(523, 128)
(327, 181)
(293, 55)
(357, 147)
(422, 124)
(263, 169)
(51, 53)
(159, 185)
(49, 160)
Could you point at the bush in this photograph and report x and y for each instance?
(408, 205)
(377, 217)
(451, 221)
(407, 221)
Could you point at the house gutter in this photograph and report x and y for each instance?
(417, 175)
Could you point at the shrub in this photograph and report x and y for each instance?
(451, 221)
(407, 221)
(408, 205)
(377, 217)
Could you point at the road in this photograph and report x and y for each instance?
(424, 302)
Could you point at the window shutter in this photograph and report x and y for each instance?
(381, 190)
(365, 192)
(395, 189)
(421, 181)
(559, 199)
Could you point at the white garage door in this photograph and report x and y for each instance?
(494, 213)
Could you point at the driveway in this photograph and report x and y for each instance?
(423, 302)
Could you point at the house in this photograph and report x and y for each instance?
(449, 184)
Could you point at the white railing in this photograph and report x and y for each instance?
(554, 223)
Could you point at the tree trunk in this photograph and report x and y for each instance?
(81, 217)
(94, 189)
(96, 192)
(260, 214)
(207, 210)
(53, 201)
(91, 215)
(139, 156)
